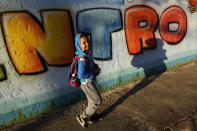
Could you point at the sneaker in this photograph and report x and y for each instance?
(82, 121)
(95, 118)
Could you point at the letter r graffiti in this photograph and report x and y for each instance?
(140, 25)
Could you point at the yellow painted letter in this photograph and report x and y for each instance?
(26, 40)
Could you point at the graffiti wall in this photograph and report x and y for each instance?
(130, 39)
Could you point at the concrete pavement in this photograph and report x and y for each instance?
(166, 101)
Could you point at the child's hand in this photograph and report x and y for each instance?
(96, 70)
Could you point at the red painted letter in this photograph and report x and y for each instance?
(173, 14)
(140, 25)
(193, 2)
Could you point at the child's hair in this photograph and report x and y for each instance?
(85, 35)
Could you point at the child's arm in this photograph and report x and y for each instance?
(82, 74)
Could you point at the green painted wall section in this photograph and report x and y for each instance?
(22, 117)
(2, 73)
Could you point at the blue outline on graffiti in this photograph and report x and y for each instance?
(100, 23)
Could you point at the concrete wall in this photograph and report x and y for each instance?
(130, 39)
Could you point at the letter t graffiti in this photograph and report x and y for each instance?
(100, 23)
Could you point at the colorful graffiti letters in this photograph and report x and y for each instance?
(137, 33)
(173, 15)
(30, 43)
(100, 23)
(26, 40)
(141, 23)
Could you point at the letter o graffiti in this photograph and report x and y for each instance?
(173, 14)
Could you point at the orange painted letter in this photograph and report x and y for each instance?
(140, 25)
(26, 40)
(173, 15)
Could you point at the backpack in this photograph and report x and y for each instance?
(73, 79)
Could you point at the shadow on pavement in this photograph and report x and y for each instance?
(151, 72)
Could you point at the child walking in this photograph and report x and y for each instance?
(86, 70)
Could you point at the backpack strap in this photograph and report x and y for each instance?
(75, 62)
(83, 57)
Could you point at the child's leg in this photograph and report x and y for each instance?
(93, 97)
